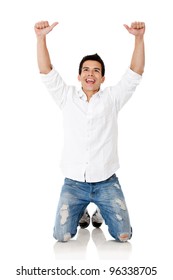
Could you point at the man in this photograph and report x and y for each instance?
(90, 157)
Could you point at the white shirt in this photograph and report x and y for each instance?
(90, 128)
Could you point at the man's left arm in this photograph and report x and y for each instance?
(138, 58)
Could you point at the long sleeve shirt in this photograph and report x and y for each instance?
(90, 128)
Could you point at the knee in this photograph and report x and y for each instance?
(62, 234)
(62, 237)
(122, 237)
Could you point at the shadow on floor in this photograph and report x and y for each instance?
(106, 249)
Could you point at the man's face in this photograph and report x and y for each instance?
(91, 76)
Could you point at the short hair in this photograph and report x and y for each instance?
(94, 57)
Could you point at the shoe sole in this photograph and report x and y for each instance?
(83, 225)
(96, 225)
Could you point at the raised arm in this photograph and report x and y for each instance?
(42, 28)
(138, 58)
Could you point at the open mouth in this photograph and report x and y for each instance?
(90, 81)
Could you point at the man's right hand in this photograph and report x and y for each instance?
(42, 28)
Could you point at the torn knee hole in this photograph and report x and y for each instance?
(64, 213)
(124, 237)
(67, 237)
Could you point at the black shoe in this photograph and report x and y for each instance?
(97, 219)
(85, 220)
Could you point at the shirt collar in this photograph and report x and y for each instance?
(83, 96)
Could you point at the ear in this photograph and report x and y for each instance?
(79, 78)
(103, 79)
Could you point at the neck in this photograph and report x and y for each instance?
(90, 93)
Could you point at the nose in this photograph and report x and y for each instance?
(90, 73)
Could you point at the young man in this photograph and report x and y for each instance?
(90, 157)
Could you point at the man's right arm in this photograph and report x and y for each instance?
(42, 28)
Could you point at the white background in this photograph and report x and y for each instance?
(31, 133)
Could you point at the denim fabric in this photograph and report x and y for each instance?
(107, 195)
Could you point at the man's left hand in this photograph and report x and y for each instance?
(137, 28)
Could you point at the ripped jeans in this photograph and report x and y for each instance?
(107, 195)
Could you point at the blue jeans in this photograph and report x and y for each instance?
(107, 195)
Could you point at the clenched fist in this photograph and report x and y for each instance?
(42, 28)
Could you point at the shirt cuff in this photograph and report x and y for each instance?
(49, 75)
(133, 75)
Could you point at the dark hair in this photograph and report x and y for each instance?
(94, 57)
